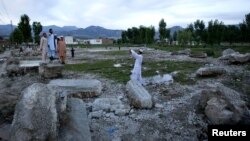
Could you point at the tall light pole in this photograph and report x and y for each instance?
(11, 28)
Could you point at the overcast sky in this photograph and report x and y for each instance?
(123, 14)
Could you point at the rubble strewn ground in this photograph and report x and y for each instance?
(179, 111)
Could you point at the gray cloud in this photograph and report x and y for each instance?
(122, 14)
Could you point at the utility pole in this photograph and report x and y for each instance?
(11, 28)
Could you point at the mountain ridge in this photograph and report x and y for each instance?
(92, 31)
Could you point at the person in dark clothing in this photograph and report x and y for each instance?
(72, 52)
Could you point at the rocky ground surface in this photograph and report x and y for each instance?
(178, 111)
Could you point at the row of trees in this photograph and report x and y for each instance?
(139, 35)
(23, 32)
(144, 35)
(215, 33)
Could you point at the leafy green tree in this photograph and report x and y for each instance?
(16, 36)
(199, 27)
(190, 27)
(184, 37)
(25, 27)
(130, 35)
(215, 32)
(162, 29)
(247, 21)
(232, 34)
(139, 35)
(136, 35)
(150, 33)
(243, 32)
(37, 28)
(175, 36)
(210, 32)
(124, 37)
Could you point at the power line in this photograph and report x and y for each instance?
(1, 21)
(4, 7)
(3, 17)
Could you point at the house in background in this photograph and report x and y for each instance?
(95, 41)
(99, 41)
(69, 40)
(107, 41)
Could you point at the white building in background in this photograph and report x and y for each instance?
(95, 41)
(69, 40)
(105, 41)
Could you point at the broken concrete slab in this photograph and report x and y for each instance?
(223, 105)
(210, 71)
(30, 63)
(76, 128)
(50, 70)
(35, 116)
(138, 95)
(217, 112)
(80, 88)
(198, 55)
(236, 58)
(227, 52)
(182, 52)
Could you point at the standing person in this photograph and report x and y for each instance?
(61, 49)
(44, 46)
(136, 72)
(72, 52)
(52, 44)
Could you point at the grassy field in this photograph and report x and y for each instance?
(213, 51)
(121, 74)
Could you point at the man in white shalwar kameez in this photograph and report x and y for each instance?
(52, 44)
(136, 72)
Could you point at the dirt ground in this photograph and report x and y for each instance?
(176, 114)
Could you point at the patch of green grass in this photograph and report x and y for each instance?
(104, 68)
(121, 74)
(213, 51)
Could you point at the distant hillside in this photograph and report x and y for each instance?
(96, 32)
(59, 29)
(175, 29)
(89, 32)
(5, 30)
